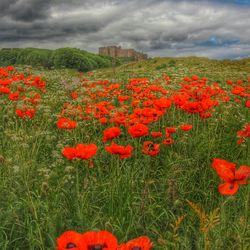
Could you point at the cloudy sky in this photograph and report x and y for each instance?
(210, 28)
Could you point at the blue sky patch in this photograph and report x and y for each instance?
(215, 41)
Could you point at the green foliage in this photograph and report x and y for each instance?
(172, 63)
(127, 59)
(162, 66)
(8, 56)
(60, 58)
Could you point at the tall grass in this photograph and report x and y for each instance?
(172, 198)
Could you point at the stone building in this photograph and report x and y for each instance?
(115, 51)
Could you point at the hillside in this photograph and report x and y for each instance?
(60, 58)
(217, 70)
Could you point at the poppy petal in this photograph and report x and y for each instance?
(228, 188)
(242, 174)
(224, 169)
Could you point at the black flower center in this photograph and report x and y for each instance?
(136, 248)
(70, 245)
(151, 146)
(95, 247)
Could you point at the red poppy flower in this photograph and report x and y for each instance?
(226, 171)
(244, 133)
(20, 113)
(111, 133)
(14, 96)
(229, 82)
(74, 95)
(195, 77)
(147, 103)
(138, 130)
(241, 174)
(84, 151)
(150, 148)
(141, 243)
(156, 134)
(192, 107)
(240, 141)
(5, 90)
(122, 151)
(103, 120)
(65, 123)
(247, 104)
(168, 141)
(102, 240)
(70, 240)
(162, 103)
(228, 188)
(121, 99)
(186, 127)
(10, 68)
(170, 130)
(69, 153)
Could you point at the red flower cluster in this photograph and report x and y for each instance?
(82, 151)
(232, 177)
(196, 96)
(25, 113)
(134, 106)
(23, 92)
(241, 89)
(102, 240)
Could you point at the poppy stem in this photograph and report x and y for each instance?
(247, 205)
(77, 183)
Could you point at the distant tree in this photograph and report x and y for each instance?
(60, 58)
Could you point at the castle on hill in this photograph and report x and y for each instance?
(117, 51)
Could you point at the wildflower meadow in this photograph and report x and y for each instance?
(149, 155)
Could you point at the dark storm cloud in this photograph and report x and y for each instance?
(25, 10)
(159, 27)
(41, 20)
(5, 5)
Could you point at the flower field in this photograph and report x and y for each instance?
(152, 155)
